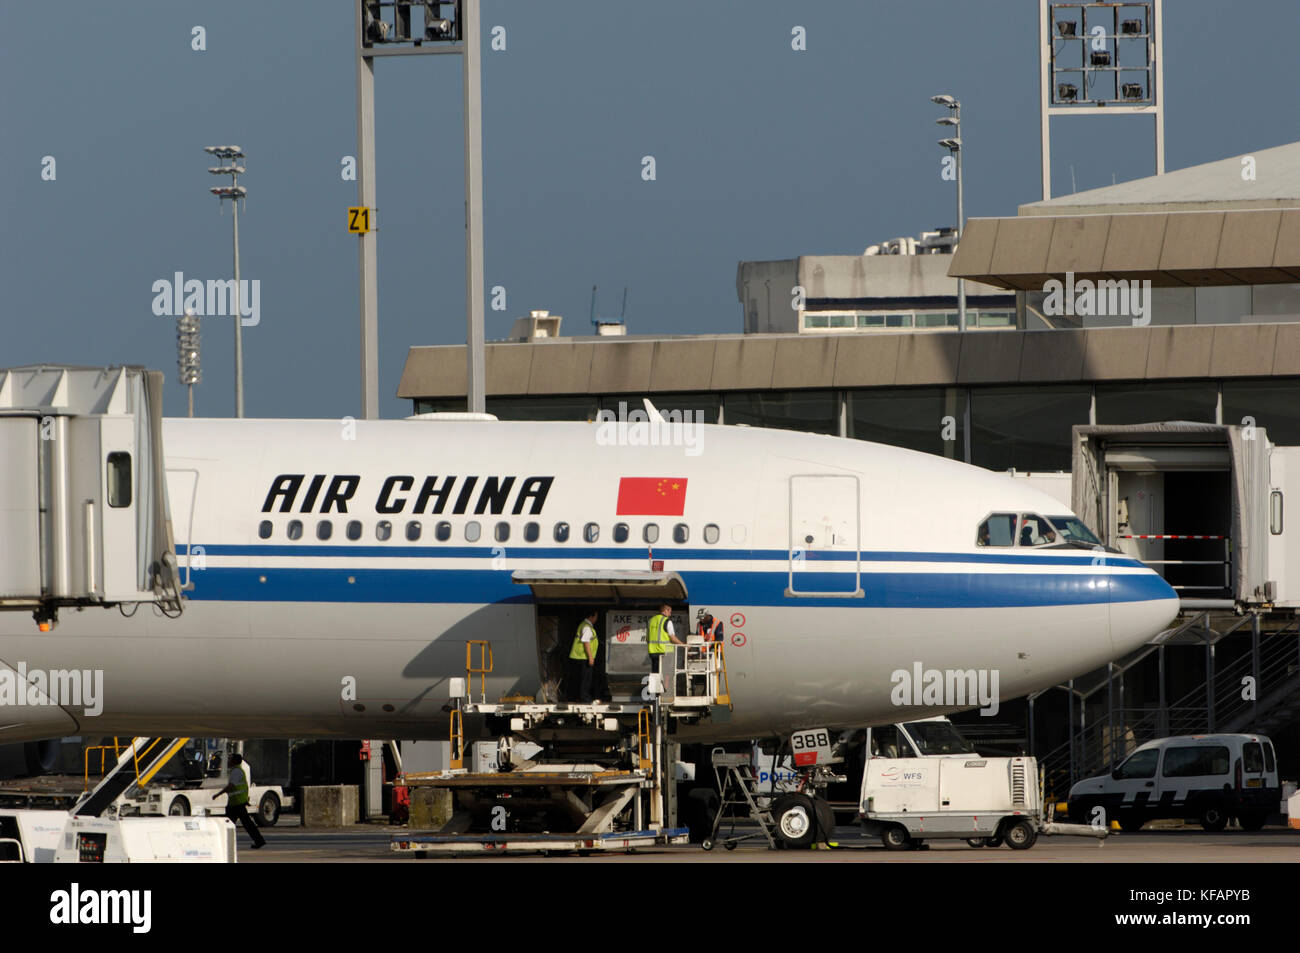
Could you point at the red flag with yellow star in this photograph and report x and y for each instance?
(651, 496)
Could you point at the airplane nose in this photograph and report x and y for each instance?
(1142, 605)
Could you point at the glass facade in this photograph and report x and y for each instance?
(931, 420)
(1027, 428)
(1146, 403)
(1023, 427)
(813, 411)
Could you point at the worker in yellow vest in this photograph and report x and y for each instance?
(582, 659)
(237, 802)
(659, 634)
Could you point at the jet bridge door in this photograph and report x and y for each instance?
(825, 517)
(20, 571)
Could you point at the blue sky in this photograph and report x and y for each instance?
(761, 152)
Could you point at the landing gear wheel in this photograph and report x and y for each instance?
(180, 807)
(796, 820)
(268, 810)
(1213, 818)
(895, 837)
(1021, 835)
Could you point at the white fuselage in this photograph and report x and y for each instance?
(847, 561)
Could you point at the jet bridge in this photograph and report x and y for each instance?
(83, 499)
(1191, 500)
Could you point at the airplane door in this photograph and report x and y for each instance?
(825, 516)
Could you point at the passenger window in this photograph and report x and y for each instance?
(1141, 764)
(354, 529)
(324, 529)
(1195, 762)
(1035, 531)
(681, 533)
(651, 533)
(531, 532)
(998, 530)
(413, 530)
(620, 532)
(561, 532)
(119, 479)
(502, 532)
(1252, 757)
(264, 529)
(383, 530)
(711, 533)
(442, 531)
(295, 529)
(472, 531)
(591, 532)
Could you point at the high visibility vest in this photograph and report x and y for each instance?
(657, 640)
(711, 633)
(240, 794)
(578, 651)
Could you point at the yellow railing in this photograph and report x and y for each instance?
(136, 754)
(724, 686)
(644, 749)
(457, 739)
(484, 667)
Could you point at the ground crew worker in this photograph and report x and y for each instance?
(237, 802)
(659, 633)
(582, 659)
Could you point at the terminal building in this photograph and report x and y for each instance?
(1094, 321)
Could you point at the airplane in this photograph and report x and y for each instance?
(317, 552)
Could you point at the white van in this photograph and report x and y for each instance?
(1210, 778)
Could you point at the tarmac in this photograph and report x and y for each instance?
(1191, 845)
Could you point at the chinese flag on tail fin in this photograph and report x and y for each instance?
(651, 496)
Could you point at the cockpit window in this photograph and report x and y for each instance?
(1035, 531)
(1073, 530)
(998, 530)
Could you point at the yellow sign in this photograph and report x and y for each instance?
(358, 219)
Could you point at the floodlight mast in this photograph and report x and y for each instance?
(230, 156)
(377, 36)
(953, 145)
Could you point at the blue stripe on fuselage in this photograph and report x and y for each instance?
(931, 590)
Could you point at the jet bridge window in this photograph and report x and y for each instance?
(119, 479)
(264, 529)
(998, 530)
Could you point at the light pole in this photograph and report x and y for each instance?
(229, 156)
(953, 145)
(189, 360)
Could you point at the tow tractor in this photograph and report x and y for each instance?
(570, 777)
(204, 771)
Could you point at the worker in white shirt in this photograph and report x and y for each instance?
(582, 659)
